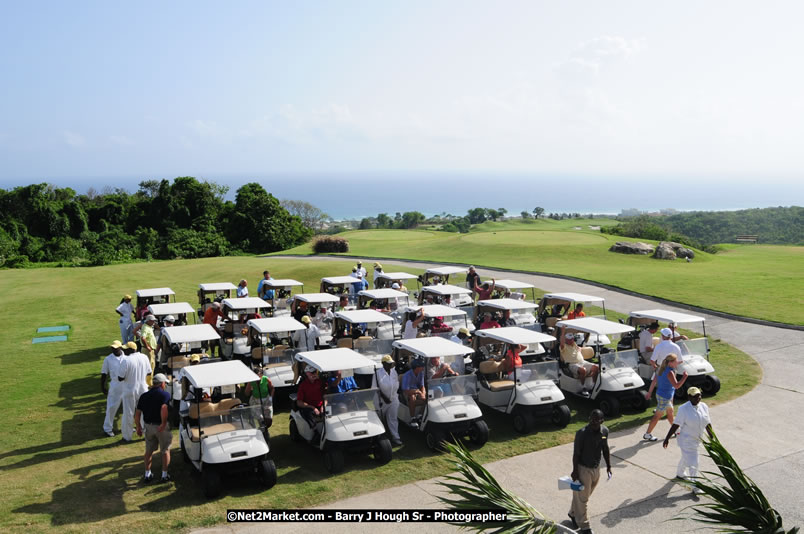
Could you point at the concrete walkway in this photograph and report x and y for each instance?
(760, 430)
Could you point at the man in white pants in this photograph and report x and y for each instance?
(133, 373)
(125, 310)
(114, 390)
(387, 381)
(693, 420)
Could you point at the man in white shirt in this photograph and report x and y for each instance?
(360, 270)
(646, 341)
(125, 310)
(114, 390)
(306, 339)
(134, 372)
(377, 272)
(665, 347)
(387, 381)
(692, 419)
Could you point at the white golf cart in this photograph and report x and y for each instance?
(528, 392)
(283, 290)
(387, 280)
(207, 293)
(515, 289)
(617, 381)
(440, 320)
(448, 295)
(450, 407)
(560, 304)
(694, 352)
(236, 312)
(338, 285)
(146, 297)
(440, 275)
(368, 332)
(351, 420)
(180, 311)
(316, 301)
(520, 311)
(227, 436)
(389, 301)
(179, 344)
(271, 341)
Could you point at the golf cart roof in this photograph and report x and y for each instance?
(190, 333)
(507, 304)
(331, 360)
(382, 293)
(155, 292)
(316, 298)
(593, 325)
(245, 303)
(432, 347)
(218, 286)
(287, 282)
(667, 316)
(446, 289)
(397, 276)
(443, 271)
(363, 316)
(512, 284)
(573, 297)
(170, 309)
(215, 374)
(515, 334)
(336, 280)
(270, 325)
(437, 310)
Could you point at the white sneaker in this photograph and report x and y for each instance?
(697, 491)
(110, 434)
(649, 437)
(414, 424)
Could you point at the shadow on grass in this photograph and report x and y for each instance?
(85, 356)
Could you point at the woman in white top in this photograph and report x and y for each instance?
(242, 288)
(411, 329)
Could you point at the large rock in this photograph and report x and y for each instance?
(628, 247)
(680, 250)
(664, 252)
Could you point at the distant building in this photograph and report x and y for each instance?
(630, 212)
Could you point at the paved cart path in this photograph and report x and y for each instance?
(760, 429)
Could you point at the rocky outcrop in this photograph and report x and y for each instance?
(681, 251)
(664, 252)
(628, 247)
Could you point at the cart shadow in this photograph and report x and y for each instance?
(661, 498)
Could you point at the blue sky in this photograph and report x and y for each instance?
(697, 90)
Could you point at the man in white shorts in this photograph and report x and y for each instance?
(571, 355)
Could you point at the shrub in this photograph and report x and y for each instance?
(330, 244)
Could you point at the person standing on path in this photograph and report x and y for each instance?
(666, 385)
(152, 406)
(114, 390)
(125, 310)
(692, 420)
(590, 442)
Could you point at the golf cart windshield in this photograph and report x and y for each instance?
(361, 400)
(373, 347)
(280, 357)
(534, 372)
(698, 347)
(238, 418)
(620, 359)
(452, 386)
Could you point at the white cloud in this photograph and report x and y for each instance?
(74, 140)
(608, 48)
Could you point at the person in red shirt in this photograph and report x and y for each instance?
(488, 322)
(484, 291)
(310, 396)
(577, 313)
(211, 318)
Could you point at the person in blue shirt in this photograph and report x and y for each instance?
(666, 385)
(413, 389)
(265, 294)
(340, 384)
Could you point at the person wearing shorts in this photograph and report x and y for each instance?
(666, 385)
(152, 407)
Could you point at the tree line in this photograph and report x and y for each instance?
(161, 220)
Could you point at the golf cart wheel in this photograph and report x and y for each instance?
(639, 402)
(711, 385)
(211, 480)
(294, 431)
(434, 439)
(382, 451)
(266, 470)
(333, 460)
(561, 415)
(523, 421)
(479, 433)
(610, 406)
(184, 454)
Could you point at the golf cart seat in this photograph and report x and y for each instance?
(362, 342)
(256, 355)
(588, 353)
(279, 350)
(211, 430)
(491, 370)
(345, 343)
(177, 362)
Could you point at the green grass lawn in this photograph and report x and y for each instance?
(760, 281)
(58, 470)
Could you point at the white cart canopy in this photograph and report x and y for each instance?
(270, 325)
(667, 316)
(510, 285)
(193, 333)
(331, 360)
(286, 283)
(316, 298)
(246, 303)
(437, 310)
(218, 286)
(382, 293)
(363, 316)
(397, 276)
(443, 271)
(174, 308)
(338, 280)
(446, 289)
(155, 292)
(593, 325)
(573, 297)
(216, 374)
(515, 335)
(507, 304)
(433, 347)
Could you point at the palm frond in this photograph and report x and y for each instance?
(475, 488)
(737, 505)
